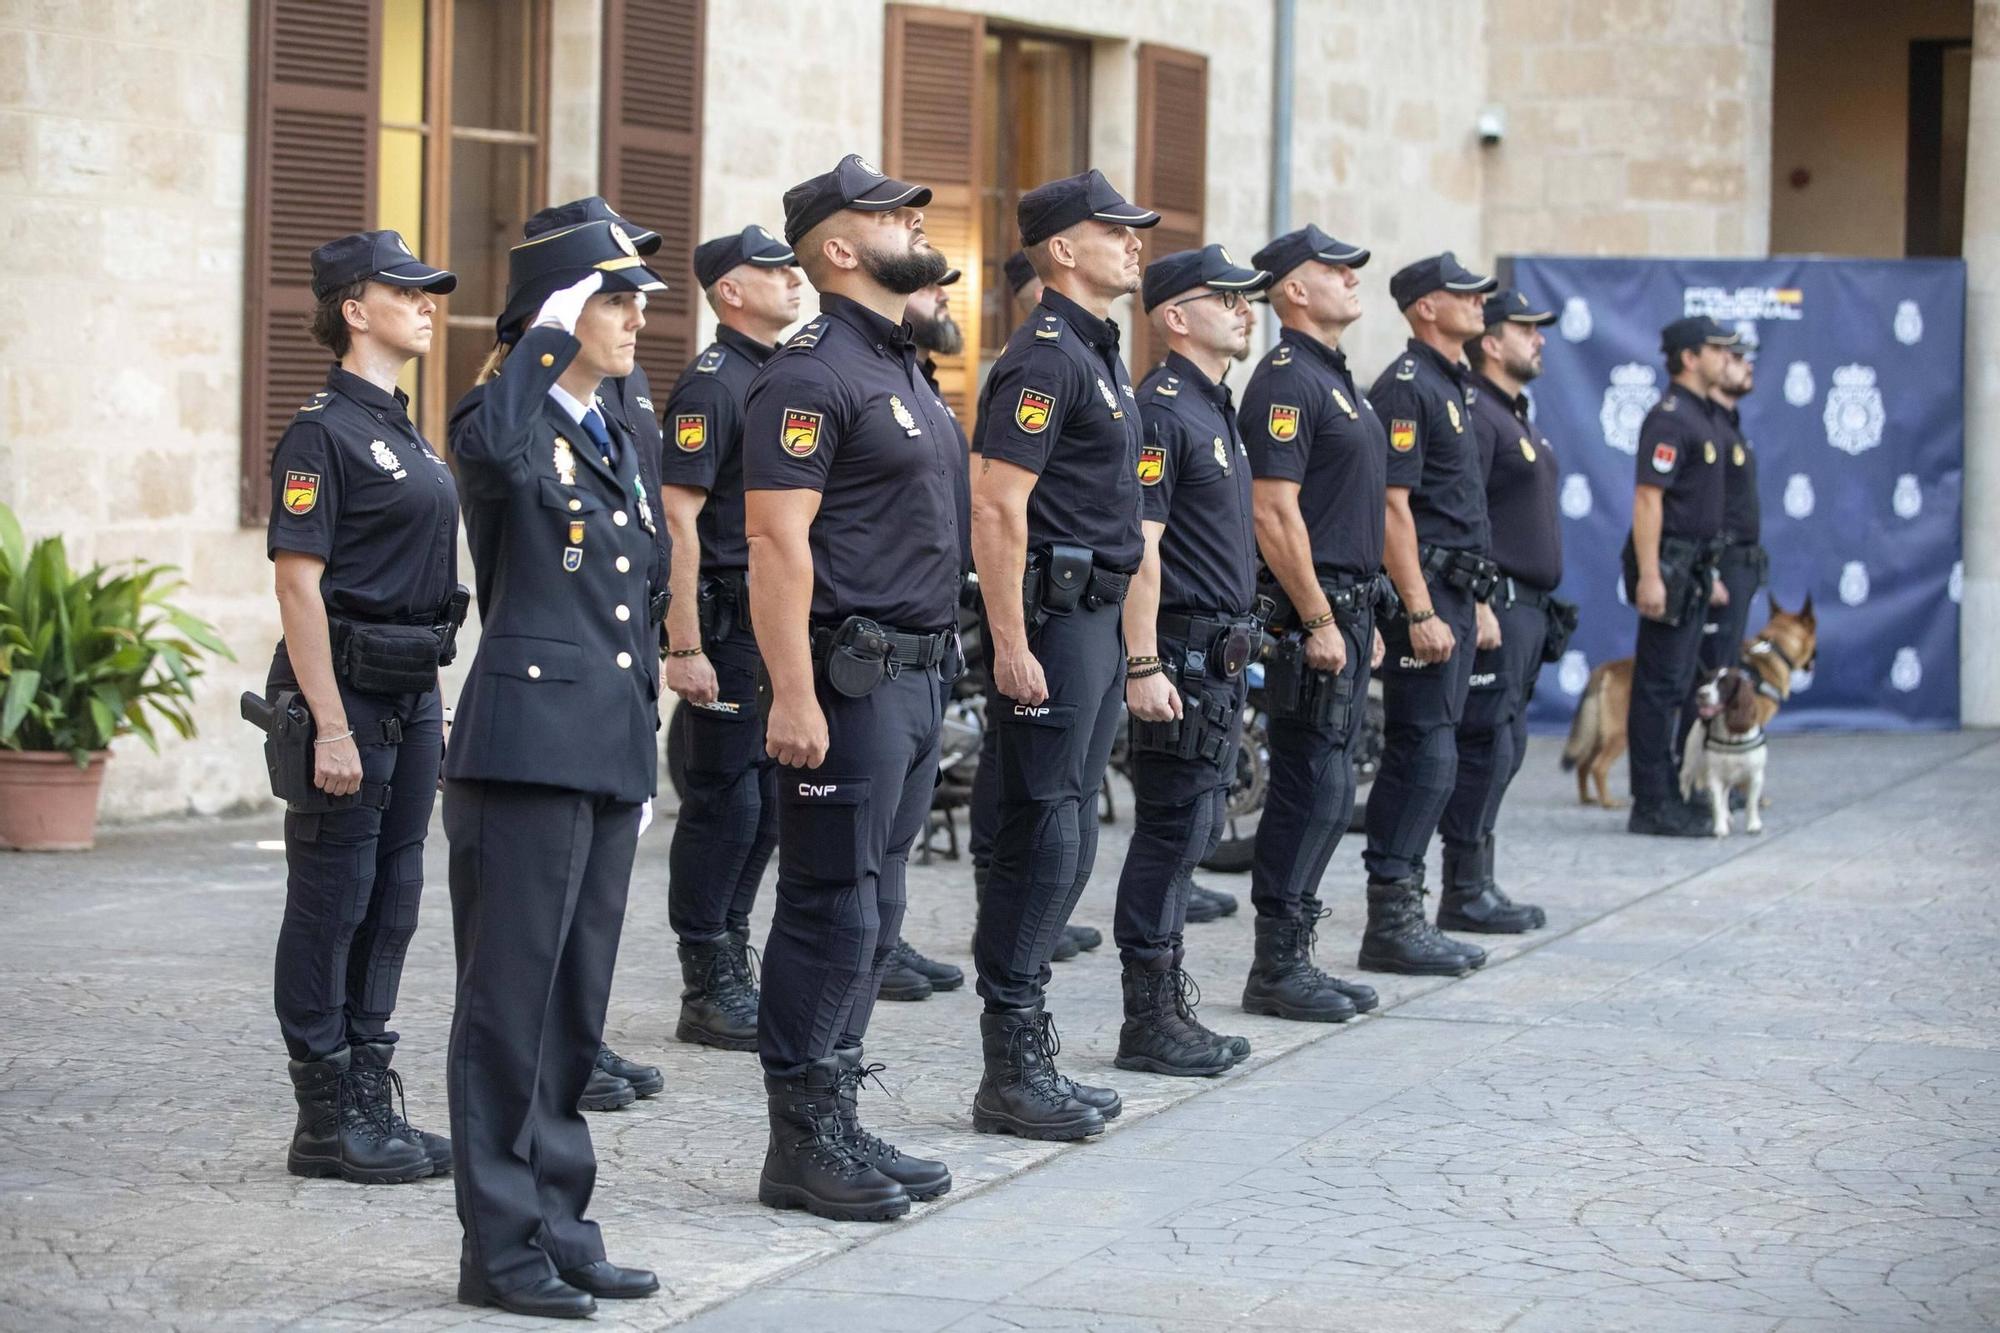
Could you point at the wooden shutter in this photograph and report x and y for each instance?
(1173, 166)
(311, 177)
(934, 60)
(651, 165)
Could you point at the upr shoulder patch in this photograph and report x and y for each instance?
(1402, 435)
(1283, 423)
(1152, 464)
(800, 433)
(690, 431)
(1664, 456)
(1033, 411)
(301, 492)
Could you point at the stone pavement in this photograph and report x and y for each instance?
(1738, 1086)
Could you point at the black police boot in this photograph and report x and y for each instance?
(1020, 1092)
(810, 1163)
(1668, 818)
(921, 1178)
(718, 1003)
(646, 1080)
(1359, 994)
(1472, 901)
(340, 1134)
(370, 1063)
(1399, 938)
(1154, 1039)
(907, 967)
(1285, 983)
(1187, 998)
(605, 1091)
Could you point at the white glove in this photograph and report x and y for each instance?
(565, 307)
(645, 817)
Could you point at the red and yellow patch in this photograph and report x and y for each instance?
(800, 434)
(1284, 422)
(1402, 436)
(1152, 464)
(1664, 456)
(1032, 413)
(301, 492)
(690, 432)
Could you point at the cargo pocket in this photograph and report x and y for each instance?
(821, 821)
(723, 737)
(1035, 746)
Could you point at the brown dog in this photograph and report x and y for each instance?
(1789, 643)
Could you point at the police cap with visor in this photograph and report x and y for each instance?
(1294, 248)
(1438, 273)
(1185, 270)
(1060, 205)
(591, 208)
(374, 256)
(1508, 306)
(753, 245)
(1695, 331)
(853, 183)
(539, 268)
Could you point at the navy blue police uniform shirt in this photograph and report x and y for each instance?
(1742, 511)
(842, 410)
(564, 689)
(1522, 481)
(355, 484)
(962, 474)
(1680, 454)
(1060, 404)
(1194, 476)
(1304, 421)
(1432, 450)
(704, 442)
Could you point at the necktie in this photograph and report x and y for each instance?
(593, 426)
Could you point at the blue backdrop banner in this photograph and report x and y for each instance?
(1858, 423)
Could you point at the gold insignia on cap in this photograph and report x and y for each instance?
(624, 241)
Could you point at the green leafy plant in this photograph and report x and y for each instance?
(88, 657)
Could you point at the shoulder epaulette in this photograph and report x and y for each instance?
(1406, 369)
(318, 400)
(1282, 356)
(809, 335)
(1170, 387)
(711, 361)
(1670, 403)
(1050, 328)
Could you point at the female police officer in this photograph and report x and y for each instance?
(364, 531)
(553, 757)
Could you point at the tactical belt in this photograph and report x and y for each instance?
(1467, 571)
(1516, 593)
(1346, 594)
(1106, 588)
(905, 650)
(1218, 646)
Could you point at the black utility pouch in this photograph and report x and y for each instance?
(1284, 678)
(389, 659)
(1065, 577)
(455, 607)
(857, 660)
(1559, 623)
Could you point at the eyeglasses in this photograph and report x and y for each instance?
(1230, 300)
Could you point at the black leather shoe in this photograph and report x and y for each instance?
(1224, 904)
(1201, 909)
(900, 981)
(607, 1281)
(550, 1298)
(646, 1080)
(942, 976)
(1066, 948)
(1085, 938)
(605, 1092)
(1668, 819)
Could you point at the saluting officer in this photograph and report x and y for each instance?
(1678, 512)
(852, 516)
(1316, 452)
(1190, 631)
(1522, 481)
(1434, 548)
(1055, 503)
(1744, 566)
(727, 826)
(553, 758)
(626, 399)
(364, 535)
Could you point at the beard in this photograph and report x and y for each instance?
(939, 334)
(1522, 368)
(905, 274)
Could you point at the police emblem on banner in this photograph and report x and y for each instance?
(1954, 584)
(1909, 323)
(1402, 435)
(1283, 423)
(1908, 498)
(1033, 411)
(1664, 456)
(1576, 498)
(1799, 386)
(1799, 498)
(1627, 399)
(800, 432)
(1574, 673)
(1152, 464)
(690, 431)
(301, 492)
(1907, 671)
(1575, 323)
(1854, 415)
(1854, 583)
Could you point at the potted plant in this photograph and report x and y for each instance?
(84, 659)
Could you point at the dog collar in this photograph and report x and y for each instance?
(1751, 740)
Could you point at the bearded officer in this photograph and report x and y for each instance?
(852, 516)
(1522, 481)
(1744, 566)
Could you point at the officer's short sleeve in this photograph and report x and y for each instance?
(701, 422)
(1401, 408)
(1662, 450)
(1160, 459)
(1277, 421)
(1028, 397)
(305, 492)
(792, 422)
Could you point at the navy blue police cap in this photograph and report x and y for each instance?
(591, 208)
(1509, 306)
(1060, 205)
(1438, 273)
(853, 183)
(1294, 248)
(379, 256)
(539, 268)
(951, 275)
(752, 245)
(1695, 331)
(1018, 270)
(1211, 267)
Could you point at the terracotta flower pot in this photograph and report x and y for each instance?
(47, 803)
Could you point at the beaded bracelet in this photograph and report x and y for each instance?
(685, 652)
(1419, 617)
(1156, 669)
(1317, 622)
(1142, 661)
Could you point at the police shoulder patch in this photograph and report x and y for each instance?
(1406, 369)
(1402, 435)
(1033, 411)
(690, 431)
(1664, 456)
(800, 433)
(1152, 464)
(1283, 423)
(301, 492)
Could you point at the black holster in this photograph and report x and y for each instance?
(1200, 732)
(1687, 567)
(722, 603)
(1467, 571)
(1558, 624)
(1296, 692)
(856, 657)
(289, 733)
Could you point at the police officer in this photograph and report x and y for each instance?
(616, 1082)
(1522, 479)
(1316, 452)
(1023, 283)
(1055, 505)
(1434, 548)
(1744, 566)
(553, 759)
(727, 826)
(364, 536)
(1189, 633)
(1678, 513)
(852, 515)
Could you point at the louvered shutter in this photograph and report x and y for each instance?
(934, 62)
(651, 168)
(311, 177)
(1173, 165)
